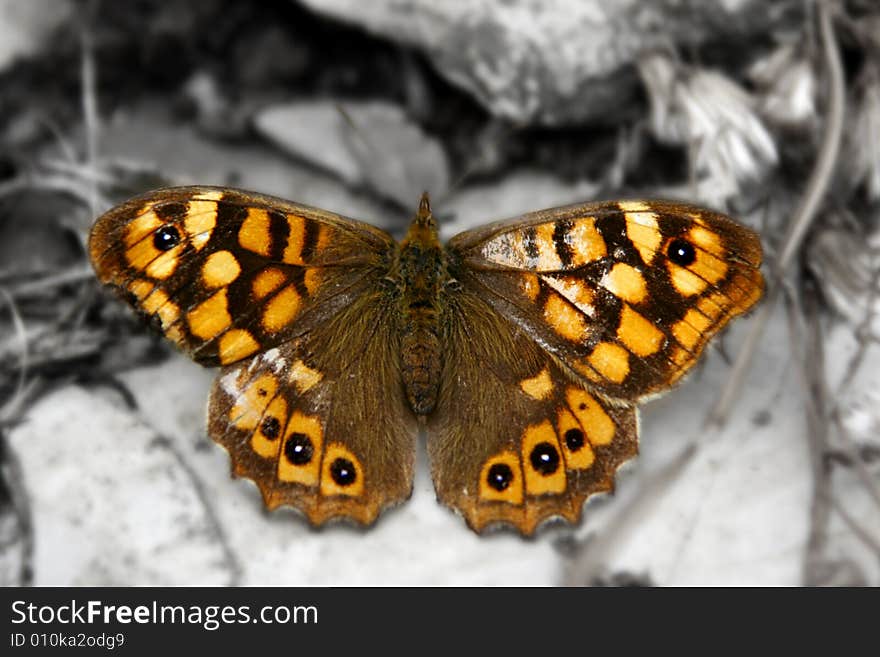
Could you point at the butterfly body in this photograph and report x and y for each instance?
(521, 348)
(423, 279)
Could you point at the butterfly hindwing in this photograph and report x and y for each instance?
(516, 438)
(321, 423)
(627, 293)
(225, 274)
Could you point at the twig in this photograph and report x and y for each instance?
(11, 470)
(802, 219)
(82, 171)
(235, 568)
(481, 156)
(861, 533)
(9, 409)
(72, 275)
(863, 334)
(850, 449)
(53, 183)
(90, 104)
(64, 145)
(368, 180)
(816, 408)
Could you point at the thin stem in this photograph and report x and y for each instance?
(817, 187)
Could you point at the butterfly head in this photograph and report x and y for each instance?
(423, 229)
(424, 216)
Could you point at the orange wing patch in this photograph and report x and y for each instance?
(281, 309)
(585, 242)
(575, 290)
(626, 282)
(236, 344)
(539, 386)
(201, 217)
(211, 317)
(565, 320)
(220, 269)
(594, 421)
(610, 360)
(576, 449)
(266, 439)
(642, 228)
(254, 234)
(267, 281)
(639, 335)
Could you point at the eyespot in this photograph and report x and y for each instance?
(499, 476)
(166, 238)
(544, 458)
(343, 472)
(299, 449)
(271, 427)
(574, 439)
(681, 252)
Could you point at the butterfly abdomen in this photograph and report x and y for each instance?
(422, 268)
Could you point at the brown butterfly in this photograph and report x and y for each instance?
(521, 348)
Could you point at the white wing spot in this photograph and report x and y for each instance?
(229, 383)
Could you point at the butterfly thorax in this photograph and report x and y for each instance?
(422, 270)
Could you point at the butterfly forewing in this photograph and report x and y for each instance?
(627, 294)
(225, 274)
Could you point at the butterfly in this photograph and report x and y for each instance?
(521, 348)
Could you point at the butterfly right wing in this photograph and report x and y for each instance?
(626, 293)
(560, 322)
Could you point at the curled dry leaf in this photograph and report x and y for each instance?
(715, 117)
(863, 138)
(846, 266)
(786, 87)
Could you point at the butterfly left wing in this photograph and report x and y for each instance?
(321, 422)
(225, 273)
(293, 301)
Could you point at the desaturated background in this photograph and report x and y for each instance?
(761, 469)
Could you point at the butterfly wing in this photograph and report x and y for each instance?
(627, 293)
(515, 437)
(321, 422)
(290, 300)
(562, 320)
(224, 273)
